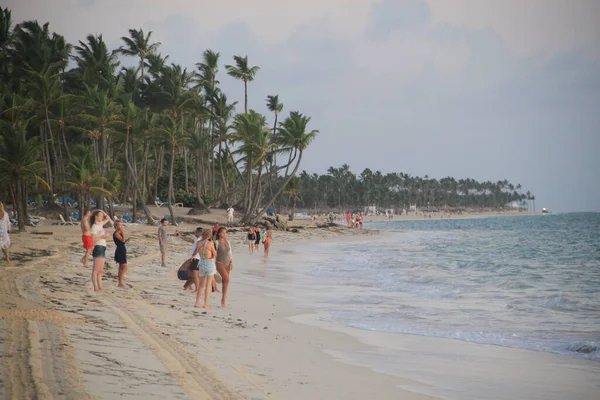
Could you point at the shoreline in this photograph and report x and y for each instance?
(145, 342)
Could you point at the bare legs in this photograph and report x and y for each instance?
(6, 255)
(97, 274)
(224, 272)
(207, 289)
(251, 247)
(86, 257)
(267, 249)
(163, 257)
(122, 272)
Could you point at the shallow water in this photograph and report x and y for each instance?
(530, 282)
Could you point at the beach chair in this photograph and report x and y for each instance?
(35, 220)
(66, 223)
(160, 203)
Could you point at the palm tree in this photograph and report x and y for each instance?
(96, 64)
(293, 136)
(251, 132)
(171, 132)
(292, 192)
(275, 107)
(244, 73)
(6, 39)
(83, 179)
(138, 45)
(19, 165)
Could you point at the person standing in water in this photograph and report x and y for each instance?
(224, 261)
(258, 233)
(251, 239)
(120, 252)
(162, 241)
(98, 219)
(4, 233)
(267, 243)
(86, 237)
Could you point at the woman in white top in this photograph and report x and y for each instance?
(4, 231)
(205, 254)
(98, 219)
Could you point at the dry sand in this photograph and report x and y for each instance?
(62, 340)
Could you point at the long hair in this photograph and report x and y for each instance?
(221, 229)
(2, 211)
(93, 217)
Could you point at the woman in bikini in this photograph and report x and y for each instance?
(267, 243)
(206, 267)
(257, 232)
(224, 261)
(120, 252)
(251, 239)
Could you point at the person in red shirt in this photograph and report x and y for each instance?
(348, 218)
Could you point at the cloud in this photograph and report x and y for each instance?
(528, 27)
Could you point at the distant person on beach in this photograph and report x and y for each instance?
(251, 239)
(162, 241)
(267, 242)
(86, 237)
(258, 237)
(224, 261)
(5, 228)
(214, 231)
(205, 253)
(97, 220)
(348, 219)
(120, 252)
(230, 212)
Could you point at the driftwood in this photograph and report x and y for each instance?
(42, 233)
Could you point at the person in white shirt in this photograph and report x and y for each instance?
(230, 212)
(98, 219)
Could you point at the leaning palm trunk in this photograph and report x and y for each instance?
(280, 190)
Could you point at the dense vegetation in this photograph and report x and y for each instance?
(112, 133)
(341, 189)
(133, 135)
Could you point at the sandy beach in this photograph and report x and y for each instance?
(62, 340)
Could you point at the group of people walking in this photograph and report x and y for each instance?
(256, 235)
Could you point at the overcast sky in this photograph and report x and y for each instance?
(468, 88)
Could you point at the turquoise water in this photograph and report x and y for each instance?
(530, 282)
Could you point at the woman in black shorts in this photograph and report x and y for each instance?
(251, 239)
(120, 252)
(257, 233)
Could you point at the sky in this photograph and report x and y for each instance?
(489, 90)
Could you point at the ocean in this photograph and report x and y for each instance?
(528, 282)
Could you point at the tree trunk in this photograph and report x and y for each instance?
(17, 205)
(280, 190)
(170, 201)
(135, 184)
(245, 96)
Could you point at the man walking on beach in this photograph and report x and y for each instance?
(162, 241)
(230, 216)
(86, 236)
